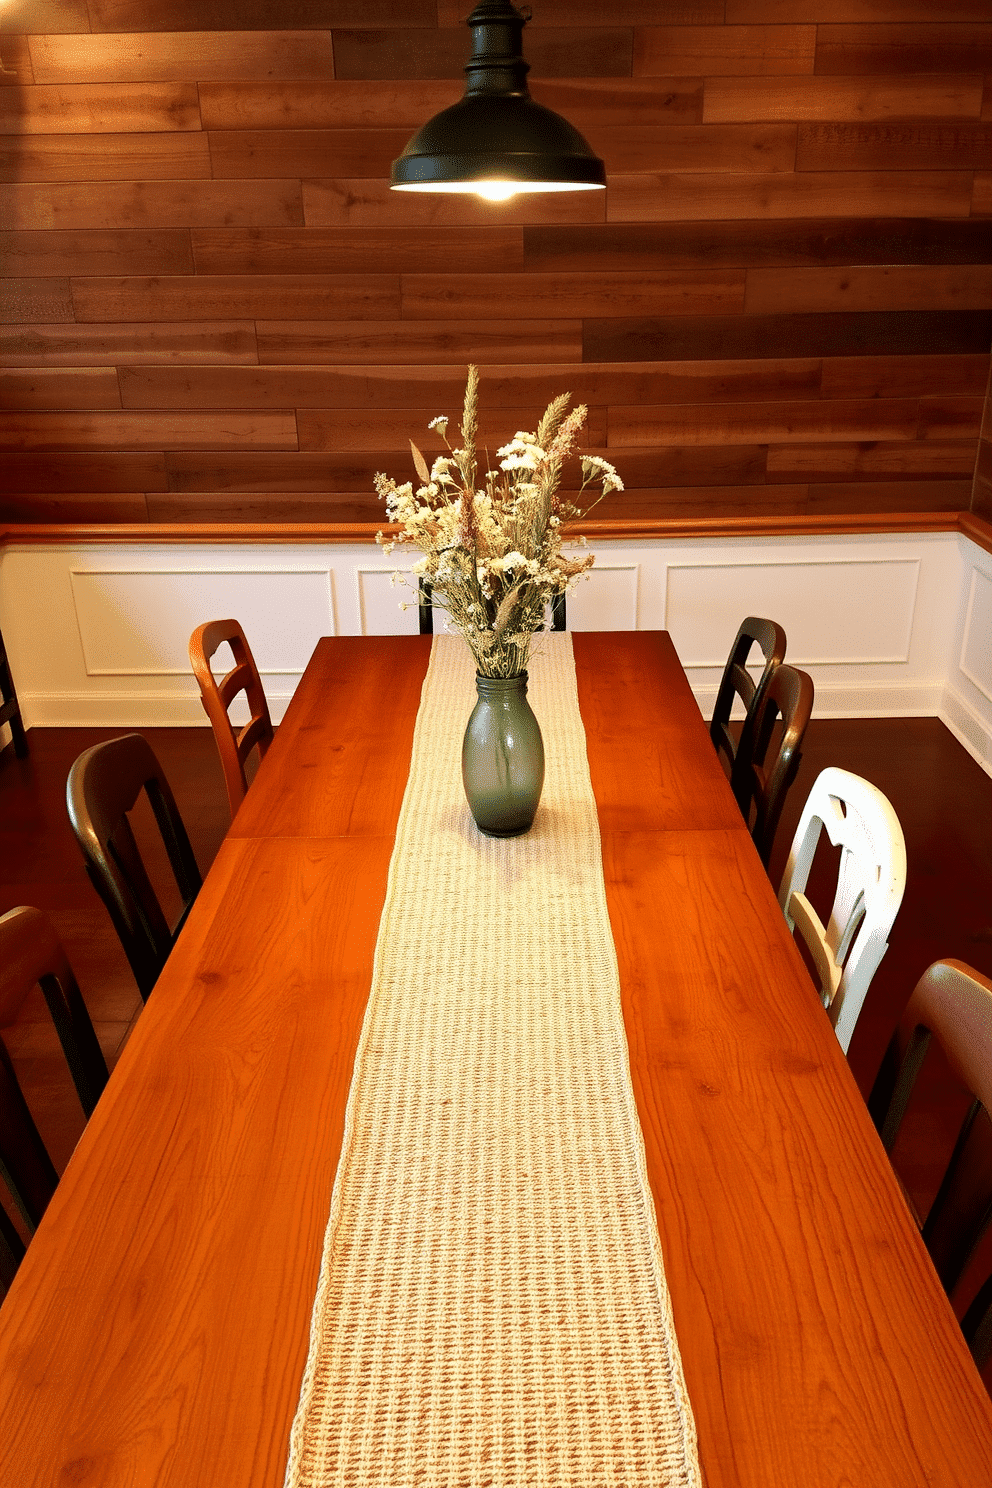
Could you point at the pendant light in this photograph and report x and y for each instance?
(497, 141)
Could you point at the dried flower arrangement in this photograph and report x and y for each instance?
(492, 549)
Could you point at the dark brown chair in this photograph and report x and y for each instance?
(952, 1003)
(30, 954)
(10, 708)
(104, 785)
(234, 745)
(767, 762)
(737, 683)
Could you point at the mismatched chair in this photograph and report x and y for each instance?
(736, 682)
(768, 759)
(235, 745)
(951, 1003)
(31, 954)
(10, 708)
(870, 884)
(104, 785)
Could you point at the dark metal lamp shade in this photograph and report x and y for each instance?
(497, 141)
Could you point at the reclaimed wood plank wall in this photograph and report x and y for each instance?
(214, 309)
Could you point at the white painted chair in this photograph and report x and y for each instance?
(870, 885)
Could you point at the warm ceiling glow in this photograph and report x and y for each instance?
(497, 190)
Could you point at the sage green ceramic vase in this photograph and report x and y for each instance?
(503, 757)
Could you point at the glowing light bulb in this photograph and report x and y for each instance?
(496, 190)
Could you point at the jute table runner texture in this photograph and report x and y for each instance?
(492, 1308)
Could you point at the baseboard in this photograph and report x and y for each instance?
(126, 710)
(970, 729)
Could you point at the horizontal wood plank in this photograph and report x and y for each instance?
(841, 334)
(895, 146)
(237, 15)
(251, 472)
(765, 423)
(575, 51)
(660, 197)
(330, 250)
(386, 432)
(156, 251)
(845, 99)
(904, 47)
(981, 197)
(394, 103)
(237, 153)
(350, 342)
(908, 460)
(181, 56)
(104, 157)
(236, 297)
(807, 241)
(688, 502)
(75, 506)
(56, 388)
(83, 471)
(32, 299)
(712, 51)
(16, 70)
(945, 417)
(43, 432)
(46, 15)
(100, 108)
(265, 507)
(360, 203)
(882, 496)
(902, 287)
(214, 343)
(904, 376)
(128, 204)
(590, 13)
(432, 390)
(479, 296)
(660, 467)
(897, 11)
(627, 148)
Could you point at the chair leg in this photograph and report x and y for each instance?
(10, 710)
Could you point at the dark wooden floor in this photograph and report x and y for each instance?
(941, 796)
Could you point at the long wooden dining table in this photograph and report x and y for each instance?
(157, 1331)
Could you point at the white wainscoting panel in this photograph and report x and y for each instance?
(137, 622)
(605, 598)
(840, 611)
(967, 701)
(381, 596)
(887, 626)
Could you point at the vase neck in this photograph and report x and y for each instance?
(497, 687)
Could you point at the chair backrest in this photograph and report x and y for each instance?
(104, 785)
(870, 885)
(953, 1004)
(736, 683)
(30, 953)
(10, 709)
(768, 761)
(233, 744)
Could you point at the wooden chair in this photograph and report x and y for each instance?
(870, 885)
(10, 708)
(425, 609)
(104, 785)
(736, 683)
(953, 1004)
(767, 761)
(30, 954)
(234, 745)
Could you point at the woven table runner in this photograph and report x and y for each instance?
(492, 1308)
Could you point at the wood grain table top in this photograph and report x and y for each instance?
(157, 1331)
